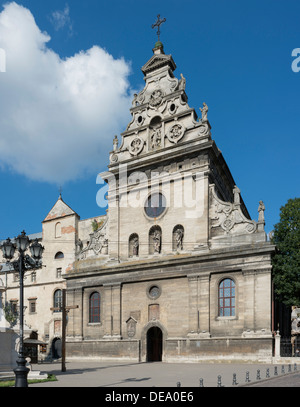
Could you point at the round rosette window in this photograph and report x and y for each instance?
(155, 205)
(154, 292)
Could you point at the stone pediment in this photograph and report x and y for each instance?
(157, 61)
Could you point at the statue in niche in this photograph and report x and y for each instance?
(135, 246)
(156, 139)
(179, 238)
(156, 241)
(204, 111)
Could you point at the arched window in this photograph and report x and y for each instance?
(227, 298)
(94, 307)
(59, 255)
(57, 300)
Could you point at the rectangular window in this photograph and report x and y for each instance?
(14, 307)
(32, 306)
(58, 272)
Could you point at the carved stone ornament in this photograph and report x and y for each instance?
(156, 98)
(229, 216)
(175, 133)
(97, 244)
(113, 158)
(204, 130)
(136, 146)
(131, 327)
(156, 138)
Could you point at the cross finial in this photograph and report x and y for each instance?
(158, 24)
(60, 191)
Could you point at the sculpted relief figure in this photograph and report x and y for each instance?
(156, 98)
(156, 139)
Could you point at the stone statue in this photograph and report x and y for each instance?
(135, 102)
(182, 82)
(261, 212)
(156, 139)
(236, 195)
(204, 111)
(115, 143)
(157, 241)
(179, 238)
(79, 246)
(135, 246)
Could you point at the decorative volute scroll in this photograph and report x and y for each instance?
(227, 217)
(96, 245)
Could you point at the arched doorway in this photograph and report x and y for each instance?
(56, 348)
(154, 344)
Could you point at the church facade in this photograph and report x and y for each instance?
(176, 270)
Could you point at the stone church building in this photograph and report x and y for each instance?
(176, 270)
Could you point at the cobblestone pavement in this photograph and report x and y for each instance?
(158, 374)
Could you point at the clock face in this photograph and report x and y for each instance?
(155, 205)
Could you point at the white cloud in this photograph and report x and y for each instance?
(61, 19)
(58, 116)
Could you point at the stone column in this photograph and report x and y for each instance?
(113, 199)
(249, 301)
(204, 305)
(112, 311)
(199, 306)
(193, 305)
(75, 315)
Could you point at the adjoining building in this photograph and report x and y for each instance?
(61, 229)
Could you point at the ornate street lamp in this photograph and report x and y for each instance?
(21, 265)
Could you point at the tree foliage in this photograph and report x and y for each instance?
(286, 261)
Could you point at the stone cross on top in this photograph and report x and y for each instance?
(158, 24)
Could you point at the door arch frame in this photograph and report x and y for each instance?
(151, 324)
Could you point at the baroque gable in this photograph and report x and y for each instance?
(161, 116)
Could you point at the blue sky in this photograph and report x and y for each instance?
(235, 55)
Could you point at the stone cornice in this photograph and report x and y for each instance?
(164, 265)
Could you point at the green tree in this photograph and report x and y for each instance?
(286, 261)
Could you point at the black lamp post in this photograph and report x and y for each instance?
(21, 265)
